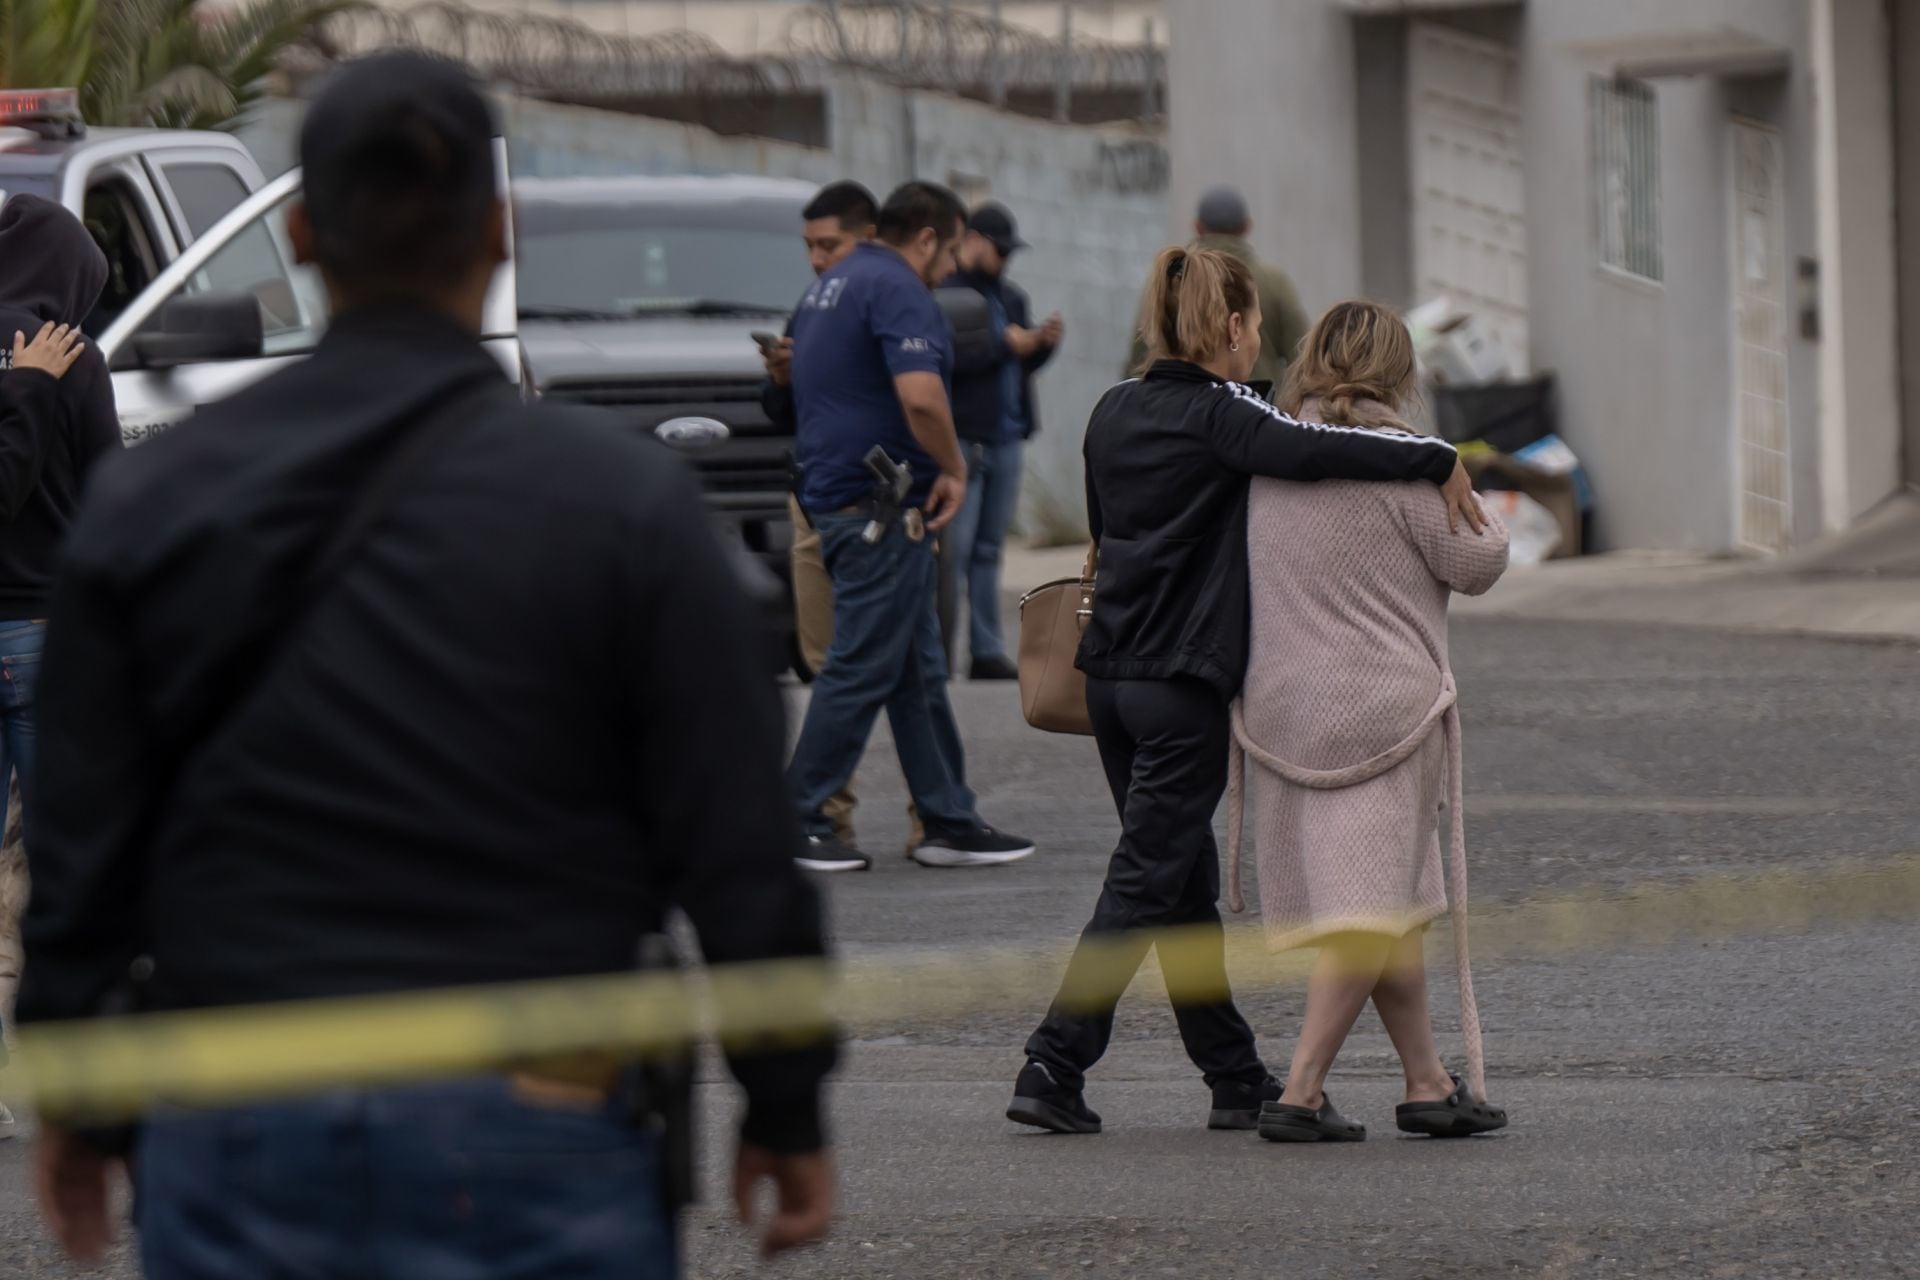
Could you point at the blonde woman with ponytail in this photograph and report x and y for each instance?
(1348, 713)
(1169, 456)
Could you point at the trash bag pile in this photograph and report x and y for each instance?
(1507, 429)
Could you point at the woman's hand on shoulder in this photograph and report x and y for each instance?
(52, 351)
(1462, 502)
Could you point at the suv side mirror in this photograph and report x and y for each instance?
(195, 327)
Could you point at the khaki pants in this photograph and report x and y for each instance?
(813, 620)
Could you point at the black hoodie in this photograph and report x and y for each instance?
(50, 432)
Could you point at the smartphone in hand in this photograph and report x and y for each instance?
(769, 342)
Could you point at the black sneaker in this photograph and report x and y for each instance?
(998, 667)
(1236, 1104)
(981, 847)
(825, 853)
(1040, 1102)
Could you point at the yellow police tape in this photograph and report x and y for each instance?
(111, 1068)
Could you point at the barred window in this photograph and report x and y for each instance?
(1626, 176)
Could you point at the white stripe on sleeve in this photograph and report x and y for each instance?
(1240, 391)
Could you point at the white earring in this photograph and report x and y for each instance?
(1236, 346)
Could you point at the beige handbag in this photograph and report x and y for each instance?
(1053, 692)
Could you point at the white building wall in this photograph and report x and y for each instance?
(1269, 93)
(1260, 94)
(1646, 371)
(1907, 157)
(1860, 432)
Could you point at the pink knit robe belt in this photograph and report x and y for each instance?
(1445, 714)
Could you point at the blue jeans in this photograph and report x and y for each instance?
(977, 537)
(20, 647)
(886, 652)
(440, 1182)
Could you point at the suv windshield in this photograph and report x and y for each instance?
(599, 262)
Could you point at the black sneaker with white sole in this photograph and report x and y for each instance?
(981, 847)
(1042, 1102)
(825, 853)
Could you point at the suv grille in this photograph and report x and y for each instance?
(672, 393)
(745, 473)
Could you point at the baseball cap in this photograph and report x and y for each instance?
(397, 145)
(1224, 210)
(995, 223)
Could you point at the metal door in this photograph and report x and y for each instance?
(1762, 463)
(1469, 197)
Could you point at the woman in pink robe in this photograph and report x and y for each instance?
(1348, 716)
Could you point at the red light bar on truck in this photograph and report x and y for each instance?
(53, 113)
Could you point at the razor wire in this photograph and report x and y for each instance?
(556, 57)
(548, 55)
(929, 45)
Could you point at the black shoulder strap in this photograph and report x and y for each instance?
(255, 655)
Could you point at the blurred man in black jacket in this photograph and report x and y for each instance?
(521, 722)
(995, 413)
(56, 420)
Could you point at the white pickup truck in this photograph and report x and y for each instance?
(203, 296)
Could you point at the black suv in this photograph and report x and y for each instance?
(643, 294)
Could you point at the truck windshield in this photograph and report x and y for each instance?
(570, 271)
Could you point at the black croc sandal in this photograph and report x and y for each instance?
(1282, 1122)
(1458, 1117)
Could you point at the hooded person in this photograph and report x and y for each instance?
(56, 419)
(55, 426)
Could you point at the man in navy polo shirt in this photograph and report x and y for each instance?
(871, 360)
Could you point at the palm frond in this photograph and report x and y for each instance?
(45, 43)
(188, 97)
(166, 62)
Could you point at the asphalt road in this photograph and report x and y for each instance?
(1745, 1107)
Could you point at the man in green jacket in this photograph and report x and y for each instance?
(1222, 223)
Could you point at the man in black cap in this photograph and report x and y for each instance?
(1223, 222)
(994, 427)
(374, 678)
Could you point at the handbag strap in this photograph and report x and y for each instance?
(1088, 574)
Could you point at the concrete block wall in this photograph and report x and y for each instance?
(1092, 200)
(546, 140)
(1092, 204)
